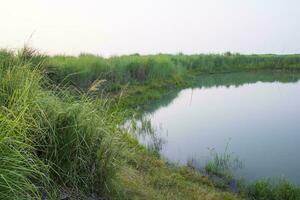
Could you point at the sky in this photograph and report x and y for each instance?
(115, 27)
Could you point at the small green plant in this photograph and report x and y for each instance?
(220, 169)
(222, 165)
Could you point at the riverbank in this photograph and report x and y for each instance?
(262, 189)
(148, 76)
(60, 124)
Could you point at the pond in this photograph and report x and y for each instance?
(256, 114)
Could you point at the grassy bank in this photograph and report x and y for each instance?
(60, 123)
(52, 143)
(146, 176)
(146, 77)
(83, 70)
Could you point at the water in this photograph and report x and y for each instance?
(257, 115)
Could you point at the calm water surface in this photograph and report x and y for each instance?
(260, 121)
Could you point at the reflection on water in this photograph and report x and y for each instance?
(227, 80)
(149, 135)
(258, 112)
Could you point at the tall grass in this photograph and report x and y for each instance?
(231, 62)
(19, 165)
(51, 140)
(83, 70)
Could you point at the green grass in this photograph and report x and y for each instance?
(221, 168)
(83, 70)
(141, 79)
(52, 141)
(266, 190)
(146, 176)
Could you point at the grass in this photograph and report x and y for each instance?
(83, 70)
(146, 176)
(148, 76)
(266, 190)
(52, 141)
(60, 133)
(221, 168)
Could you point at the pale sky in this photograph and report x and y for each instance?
(110, 27)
